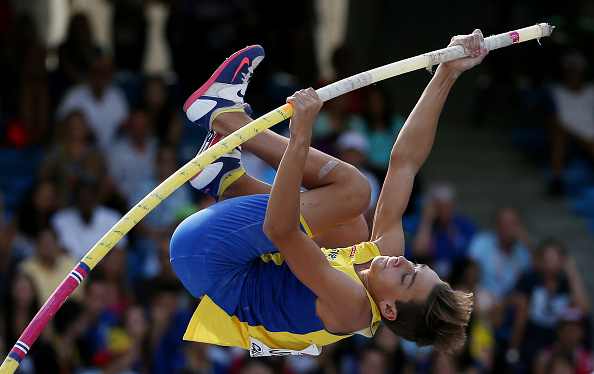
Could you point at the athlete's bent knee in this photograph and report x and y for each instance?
(358, 191)
(353, 187)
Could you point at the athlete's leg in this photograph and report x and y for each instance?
(208, 247)
(344, 234)
(337, 192)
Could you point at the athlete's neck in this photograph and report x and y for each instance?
(363, 274)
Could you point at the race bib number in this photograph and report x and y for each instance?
(259, 349)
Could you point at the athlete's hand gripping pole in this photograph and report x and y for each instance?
(121, 228)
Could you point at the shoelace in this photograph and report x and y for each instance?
(248, 75)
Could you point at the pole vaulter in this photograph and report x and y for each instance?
(123, 226)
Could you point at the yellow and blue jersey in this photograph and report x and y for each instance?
(248, 291)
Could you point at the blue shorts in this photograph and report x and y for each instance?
(213, 245)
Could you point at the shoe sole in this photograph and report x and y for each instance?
(198, 93)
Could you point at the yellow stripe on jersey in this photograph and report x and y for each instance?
(210, 324)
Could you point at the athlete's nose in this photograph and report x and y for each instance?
(402, 261)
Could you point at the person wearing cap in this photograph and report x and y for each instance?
(442, 236)
(352, 148)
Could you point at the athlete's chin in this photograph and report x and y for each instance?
(382, 261)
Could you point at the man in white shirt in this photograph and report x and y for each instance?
(104, 105)
(81, 226)
(132, 158)
(572, 118)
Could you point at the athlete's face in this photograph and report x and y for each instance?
(394, 279)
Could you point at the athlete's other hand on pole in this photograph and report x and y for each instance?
(474, 46)
(306, 104)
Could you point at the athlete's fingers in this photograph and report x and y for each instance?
(461, 40)
(474, 44)
(314, 95)
(306, 99)
(294, 100)
(299, 97)
(481, 40)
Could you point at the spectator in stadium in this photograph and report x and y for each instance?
(444, 364)
(390, 344)
(164, 274)
(133, 156)
(97, 325)
(114, 271)
(35, 212)
(382, 126)
(63, 350)
(74, 158)
(372, 360)
(167, 326)
(573, 118)
(569, 343)
(331, 122)
(163, 219)
(543, 294)
(49, 266)
(79, 227)
(352, 148)
(442, 236)
(158, 103)
(103, 103)
(19, 307)
(128, 341)
(75, 55)
(503, 254)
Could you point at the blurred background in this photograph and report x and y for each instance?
(91, 120)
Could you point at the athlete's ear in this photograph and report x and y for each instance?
(388, 310)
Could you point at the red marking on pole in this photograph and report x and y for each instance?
(515, 36)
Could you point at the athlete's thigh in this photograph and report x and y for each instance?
(327, 207)
(219, 241)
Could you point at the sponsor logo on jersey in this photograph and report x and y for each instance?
(331, 255)
(353, 251)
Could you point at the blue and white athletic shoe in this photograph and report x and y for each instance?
(216, 177)
(225, 89)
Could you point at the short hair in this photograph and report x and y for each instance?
(43, 229)
(547, 243)
(442, 191)
(440, 321)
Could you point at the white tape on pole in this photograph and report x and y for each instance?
(427, 60)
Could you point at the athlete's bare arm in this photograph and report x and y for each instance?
(303, 256)
(414, 144)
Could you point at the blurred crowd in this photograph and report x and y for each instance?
(84, 139)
